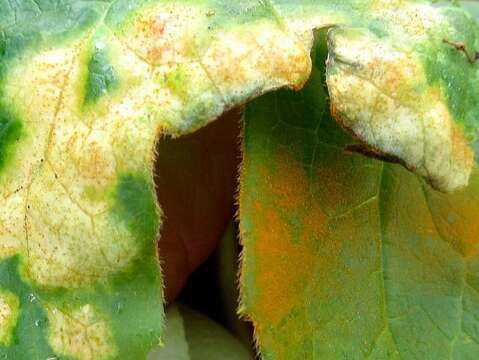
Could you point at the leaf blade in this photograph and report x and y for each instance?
(341, 254)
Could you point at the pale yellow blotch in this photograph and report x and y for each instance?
(255, 58)
(39, 106)
(69, 240)
(374, 89)
(56, 202)
(414, 19)
(165, 33)
(9, 308)
(83, 334)
(226, 67)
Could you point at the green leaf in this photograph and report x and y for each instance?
(101, 75)
(190, 335)
(346, 256)
(88, 87)
(472, 7)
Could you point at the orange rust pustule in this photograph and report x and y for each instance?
(468, 229)
(164, 35)
(456, 217)
(288, 182)
(284, 240)
(462, 149)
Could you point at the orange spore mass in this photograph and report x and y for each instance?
(285, 239)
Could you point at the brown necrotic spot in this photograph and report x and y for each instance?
(472, 57)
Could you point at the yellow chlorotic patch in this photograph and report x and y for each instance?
(9, 307)
(374, 90)
(174, 39)
(286, 254)
(254, 58)
(414, 19)
(165, 34)
(82, 334)
(171, 79)
(69, 237)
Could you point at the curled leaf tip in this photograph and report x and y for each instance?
(381, 94)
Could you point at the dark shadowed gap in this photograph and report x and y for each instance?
(196, 179)
(213, 288)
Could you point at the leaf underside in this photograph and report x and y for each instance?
(87, 88)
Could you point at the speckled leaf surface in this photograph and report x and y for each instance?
(406, 77)
(347, 257)
(87, 88)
